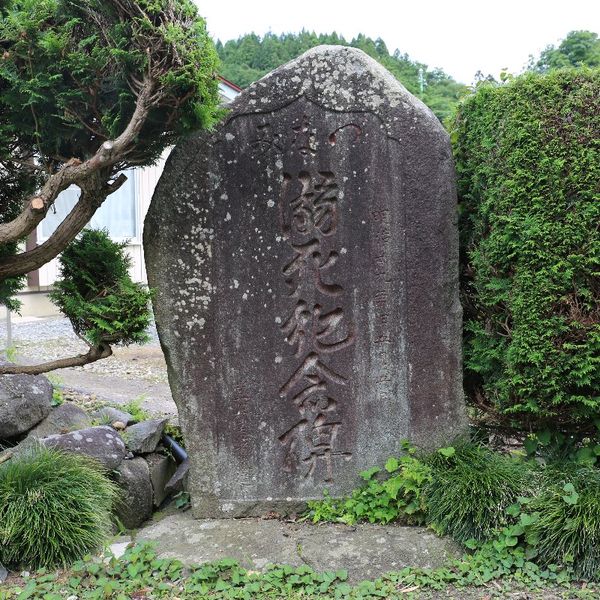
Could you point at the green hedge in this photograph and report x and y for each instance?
(528, 165)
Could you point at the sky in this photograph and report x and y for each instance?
(459, 36)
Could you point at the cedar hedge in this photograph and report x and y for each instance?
(528, 167)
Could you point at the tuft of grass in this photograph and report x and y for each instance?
(567, 528)
(11, 353)
(134, 408)
(55, 507)
(470, 489)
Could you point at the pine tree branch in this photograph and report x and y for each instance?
(77, 172)
(90, 199)
(103, 350)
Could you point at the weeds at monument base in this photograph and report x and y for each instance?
(535, 545)
(526, 511)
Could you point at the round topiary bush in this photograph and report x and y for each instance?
(528, 165)
(55, 507)
(96, 293)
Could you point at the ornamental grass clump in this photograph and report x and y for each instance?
(55, 507)
(470, 488)
(567, 528)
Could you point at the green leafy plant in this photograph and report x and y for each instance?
(55, 507)
(470, 488)
(395, 494)
(11, 353)
(134, 408)
(140, 573)
(555, 447)
(182, 501)
(57, 394)
(528, 166)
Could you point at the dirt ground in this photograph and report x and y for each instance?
(134, 372)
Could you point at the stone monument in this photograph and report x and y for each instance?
(304, 256)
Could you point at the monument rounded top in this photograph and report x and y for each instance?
(339, 79)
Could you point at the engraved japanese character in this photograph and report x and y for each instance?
(313, 371)
(311, 441)
(310, 210)
(308, 328)
(307, 267)
(266, 139)
(304, 138)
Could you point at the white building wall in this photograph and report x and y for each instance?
(145, 182)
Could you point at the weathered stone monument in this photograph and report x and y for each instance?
(305, 260)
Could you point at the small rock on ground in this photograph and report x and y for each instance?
(101, 443)
(142, 438)
(63, 419)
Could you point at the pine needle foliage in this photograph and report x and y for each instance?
(69, 69)
(14, 187)
(55, 507)
(71, 74)
(470, 489)
(97, 294)
(528, 165)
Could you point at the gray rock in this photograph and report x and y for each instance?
(107, 415)
(135, 505)
(24, 401)
(366, 551)
(27, 445)
(305, 257)
(178, 482)
(101, 443)
(142, 438)
(3, 573)
(162, 468)
(63, 419)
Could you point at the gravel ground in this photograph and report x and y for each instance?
(39, 340)
(134, 372)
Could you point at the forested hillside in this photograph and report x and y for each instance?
(250, 57)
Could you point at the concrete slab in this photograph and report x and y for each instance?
(365, 551)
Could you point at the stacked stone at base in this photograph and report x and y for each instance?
(304, 256)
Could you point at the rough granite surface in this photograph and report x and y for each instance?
(25, 400)
(366, 551)
(62, 419)
(100, 443)
(305, 257)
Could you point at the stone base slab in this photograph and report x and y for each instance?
(366, 551)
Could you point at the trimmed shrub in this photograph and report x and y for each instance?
(55, 507)
(97, 294)
(528, 165)
(567, 528)
(470, 488)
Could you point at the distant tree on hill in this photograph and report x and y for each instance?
(248, 58)
(578, 49)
